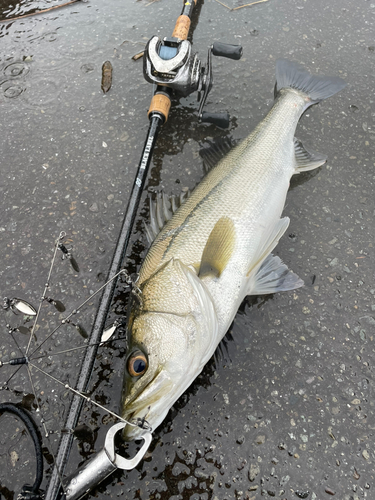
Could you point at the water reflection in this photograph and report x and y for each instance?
(9, 10)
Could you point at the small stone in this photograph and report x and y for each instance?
(253, 472)
(368, 319)
(87, 68)
(94, 208)
(284, 480)
(13, 458)
(260, 439)
(365, 454)
(329, 491)
(302, 494)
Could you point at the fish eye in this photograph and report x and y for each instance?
(137, 364)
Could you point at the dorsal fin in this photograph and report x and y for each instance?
(218, 249)
(162, 209)
(212, 151)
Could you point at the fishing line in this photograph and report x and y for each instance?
(4, 387)
(42, 421)
(15, 341)
(77, 348)
(46, 286)
(77, 310)
(33, 432)
(87, 398)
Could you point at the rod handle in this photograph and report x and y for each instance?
(160, 103)
(227, 50)
(182, 27)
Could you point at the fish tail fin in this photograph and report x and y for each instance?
(317, 88)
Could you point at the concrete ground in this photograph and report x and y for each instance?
(286, 410)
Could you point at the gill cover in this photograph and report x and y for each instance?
(172, 335)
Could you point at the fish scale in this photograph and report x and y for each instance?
(215, 250)
(250, 172)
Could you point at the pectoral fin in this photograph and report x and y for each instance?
(274, 276)
(218, 249)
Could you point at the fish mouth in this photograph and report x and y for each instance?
(136, 425)
(147, 409)
(140, 422)
(138, 395)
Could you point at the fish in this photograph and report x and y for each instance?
(214, 250)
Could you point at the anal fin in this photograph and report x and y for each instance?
(306, 160)
(218, 249)
(274, 276)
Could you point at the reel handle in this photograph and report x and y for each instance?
(206, 81)
(227, 50)
(219, 119)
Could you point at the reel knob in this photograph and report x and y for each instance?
(227, 50)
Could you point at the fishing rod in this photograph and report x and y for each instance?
(176, 72)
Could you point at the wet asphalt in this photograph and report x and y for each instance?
(286, 408)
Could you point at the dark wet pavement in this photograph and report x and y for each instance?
(286, 411)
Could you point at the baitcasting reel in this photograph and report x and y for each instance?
(170, 63)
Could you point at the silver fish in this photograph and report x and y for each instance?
(214, 250)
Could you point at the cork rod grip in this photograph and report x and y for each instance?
(160, 103)
(182, 26)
